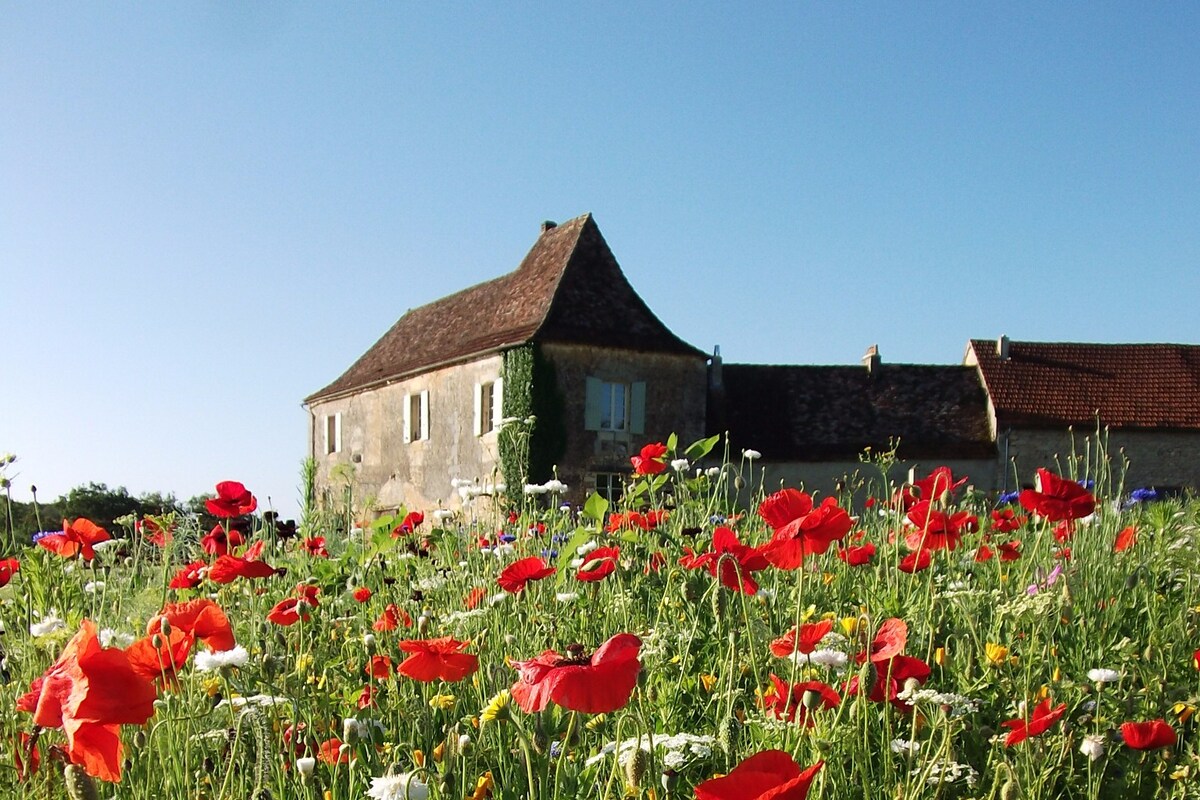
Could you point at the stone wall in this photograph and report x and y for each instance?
(823, 476)
(388, 472)
(1162, 459)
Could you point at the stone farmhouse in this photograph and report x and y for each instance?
(559, 369)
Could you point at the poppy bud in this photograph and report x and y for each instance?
(636, 766)
(450, 748)
(164, 627)
(727, 736)
(80, 785)
(305, 768)
(720, 603)
(423, 623)
(811, 699)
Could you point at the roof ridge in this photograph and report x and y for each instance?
(582, 220)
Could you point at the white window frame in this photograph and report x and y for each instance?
(421, 422)
(487, 419)
(610, 486)
(333, 444)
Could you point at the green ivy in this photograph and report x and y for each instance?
(529, 452)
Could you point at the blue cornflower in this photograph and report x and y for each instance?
(1008, 497)
(550, 554)
(37, 537)
(717, 519)
(1088, 484)
(1143, 495)
(507, 538)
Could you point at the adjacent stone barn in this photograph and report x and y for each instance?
(563, 339)
(1141, 402)
(816, 425)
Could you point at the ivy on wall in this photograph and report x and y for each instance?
(530, 451)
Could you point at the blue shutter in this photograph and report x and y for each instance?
(591, 406)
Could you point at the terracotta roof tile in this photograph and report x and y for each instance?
(822, 413)
(1055, 384)
(568, 288)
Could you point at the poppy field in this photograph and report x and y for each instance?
(894, 640)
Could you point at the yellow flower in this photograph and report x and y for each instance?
(1056, 676)
(708, 682)
(595, 722)
(439, 751)
(939, 656)
(419, 757)
(442, 701)
(497, 707)
(849, 625)
(809, 613)
(1184, 711)
(212, 686)
(828, 577)
(996, 653)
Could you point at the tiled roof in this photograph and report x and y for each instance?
(1054, 384)
(823, 413)
(568, 288)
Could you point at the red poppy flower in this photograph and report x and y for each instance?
(935, 529)
(366, 698)
(655, 563)
(1063, 531)
(791, 705)
(636, 519)
(856, 555)
(254, 552)
(691, 560)
(733, 561)
(597, 684)
(810, 635)
(362, 594)
(232, 500)
(90, 692)
(1058, 499)
(379, 667)
(315, 546)
(474, 597)
(1148, 735)
(26, 754)
(1126, 539)
(801, 528)
(888, 643)
(599, 564)
(1196, 659)
(217, 542)
(650, 460)
(1005, 520)
(517, 575)
(983, 553)
(411, 520)
(227, 569)
(200, 619)
(391, 618)
(76, 538)
(190, 575)
(331, 752)
(889, 677)
(1042, 720)
(8, 567)
(437, 659)
(916, 561)
(1010, 551)
(153, 532)
(933, 487)
(769, 775)
(162, 662)
(289, 611)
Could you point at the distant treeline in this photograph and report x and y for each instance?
(96, 502)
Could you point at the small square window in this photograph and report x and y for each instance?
(610, 486)
(487, 408)
(416, 416)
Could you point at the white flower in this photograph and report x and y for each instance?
(305, 767)
(211, 662)
(587, 547)
(906, 747)
(834, 659)
(254, 701)
(111, 638)
(440, 515)
(712, 472)
(751, 455)
(1093, 746)
(106, 544)
(555, 486)
(398, 787)
(499, 597)
(48, 625)
(1103, 676)
(680, 464)
(566, 597)
(352, 729)
(534, 488)
(91, 587)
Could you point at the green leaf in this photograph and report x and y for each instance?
(672, 443)
(567, 553)
(700, 449)
(595, 508)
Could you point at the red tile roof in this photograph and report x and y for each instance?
(1053, 384)
(568, 288)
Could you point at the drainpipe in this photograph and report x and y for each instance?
(1004, 465)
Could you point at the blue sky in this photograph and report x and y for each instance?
(209, 211)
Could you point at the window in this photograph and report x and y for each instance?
(615, 406)
(416, 416)
(610, 486)
(489, 397)
(333, 433)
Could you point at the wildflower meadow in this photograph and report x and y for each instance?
(710, 635)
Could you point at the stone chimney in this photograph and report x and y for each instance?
(549, 225)
(716, 421)
(1002, 348)
(871, 360)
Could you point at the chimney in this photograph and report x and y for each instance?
(870, 359)
(715, 378)
(1002, 348)
(549, 225)
(715, 417)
